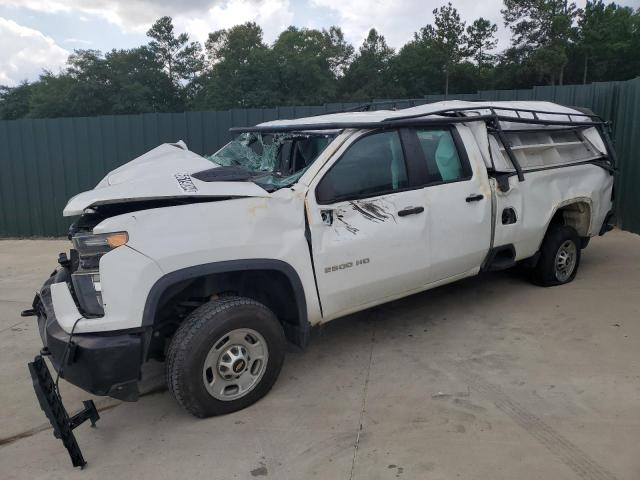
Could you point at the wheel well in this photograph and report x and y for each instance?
(576, 214)
(272, 287)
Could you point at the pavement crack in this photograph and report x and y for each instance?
(11, 326)
(47, 426)
(364, 404)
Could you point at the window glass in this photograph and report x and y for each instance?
(373, 165)
(273, 160)
(441, 154)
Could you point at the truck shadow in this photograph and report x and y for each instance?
(436, 312)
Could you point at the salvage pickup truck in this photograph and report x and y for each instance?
(211, 264)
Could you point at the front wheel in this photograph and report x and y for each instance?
(225, 356)
(559, 257)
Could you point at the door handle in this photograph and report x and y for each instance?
(475, 197)
(410, 211)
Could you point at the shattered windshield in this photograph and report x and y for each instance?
(275, 160)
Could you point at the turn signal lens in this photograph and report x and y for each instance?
(117, 239)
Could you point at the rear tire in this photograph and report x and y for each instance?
(226, 355)
(559, 257)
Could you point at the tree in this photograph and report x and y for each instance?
(138, 83)
(481, 39)
(542, 31)
(606, 38)
(241, 72)
(368, 75)
(308, 64)
(417, 68)
(552, 42)
(181, 59)
(448, 39)
(51, 96)
(14, 101)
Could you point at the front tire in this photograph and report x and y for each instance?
(559, 257)
(226, 355)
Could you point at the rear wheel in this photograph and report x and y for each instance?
(559, 257)
(225, 356)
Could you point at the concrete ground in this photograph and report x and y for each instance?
(490, 378)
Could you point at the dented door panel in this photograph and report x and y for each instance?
(366, 250)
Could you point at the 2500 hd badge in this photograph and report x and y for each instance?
(342, 266)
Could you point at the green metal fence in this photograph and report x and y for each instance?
(43, 162)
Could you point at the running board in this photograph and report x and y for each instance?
(499, 258)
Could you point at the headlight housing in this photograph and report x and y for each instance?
(86, 279)
(91, 247)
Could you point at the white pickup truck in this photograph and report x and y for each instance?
(212, 263)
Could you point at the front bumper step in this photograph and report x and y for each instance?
(51, 404)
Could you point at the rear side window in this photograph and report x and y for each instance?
(373, 165)
(441, 155)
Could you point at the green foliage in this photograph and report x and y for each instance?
(241, 71)
(180, 59)
(542, 32)
(608, 41)
(480, 40)
(369, 75)
(308, 63)
(14, 102)
(552, 42)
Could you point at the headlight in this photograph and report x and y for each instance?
(86, 279)
(91, 247)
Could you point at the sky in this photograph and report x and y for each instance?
(40, 34)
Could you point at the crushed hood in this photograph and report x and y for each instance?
(162, 173)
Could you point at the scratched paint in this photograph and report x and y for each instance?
(374, 210)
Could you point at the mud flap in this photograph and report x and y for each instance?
(51, 404)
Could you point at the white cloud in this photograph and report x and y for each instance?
(78, 41)
(138, 15)
(272, 15)
(25, 52)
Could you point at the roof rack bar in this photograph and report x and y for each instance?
(608, 144)
(507, 148)
(343, 125)
(492, 109)
(406, 122)
(367, 106)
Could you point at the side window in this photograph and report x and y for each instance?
(372, 166)
(441, 154)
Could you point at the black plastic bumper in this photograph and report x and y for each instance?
(103, 364)
(606, 225)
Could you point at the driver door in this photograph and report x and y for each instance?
(368, 225)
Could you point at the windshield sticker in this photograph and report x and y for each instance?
(185, 182)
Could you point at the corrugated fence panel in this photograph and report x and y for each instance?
(627, 140)
(44, 162)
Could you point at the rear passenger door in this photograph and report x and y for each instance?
(458, 199)
(367, 221)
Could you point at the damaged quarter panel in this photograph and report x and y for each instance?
(537, 199)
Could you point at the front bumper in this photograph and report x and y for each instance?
(106, 363)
